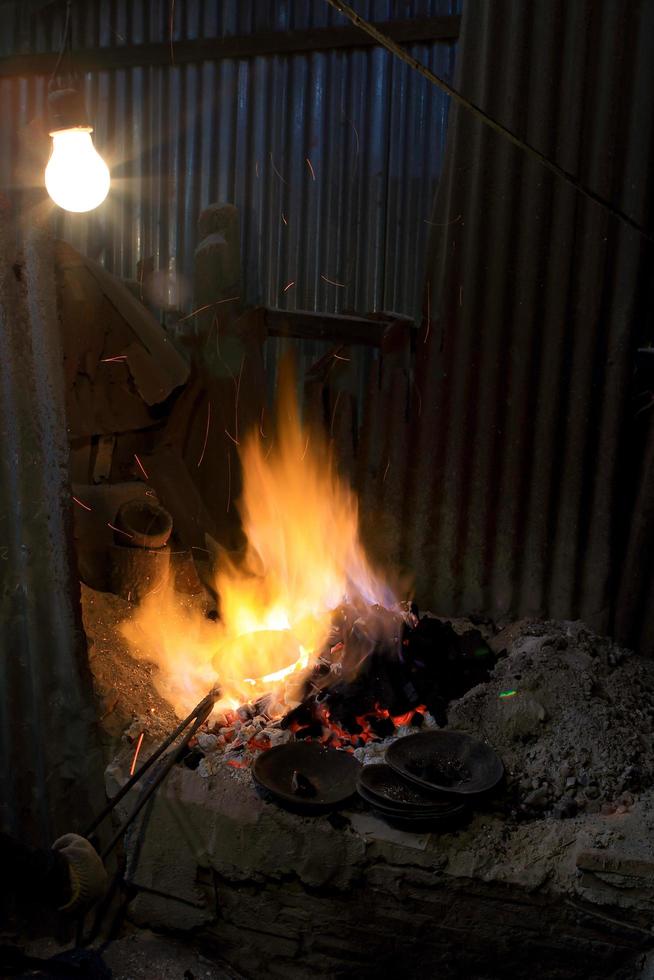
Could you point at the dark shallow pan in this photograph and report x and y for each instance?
(450, 762)
(444, 824)
(306, 777)
(445, 811)
(387, 787)
(443, 819)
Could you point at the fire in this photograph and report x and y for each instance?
(303, 557)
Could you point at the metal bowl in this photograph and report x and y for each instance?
(449, 762)
(382, 785)
(444, 817)
(306, 776)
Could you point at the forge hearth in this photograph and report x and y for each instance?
(555, 878)
(347, 896)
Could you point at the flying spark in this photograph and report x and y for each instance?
(288, 285)
(206, 434)
(332, 282)
(119, 530)
(238, 392)
(419, 397)
(311, 170)
(132, 768)
(277, 171)
(331, 428)
(209, 306)
(141, 467)
(444, 224)
(172, 26)
(82, 504)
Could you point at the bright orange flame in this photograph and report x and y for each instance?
(303, 557)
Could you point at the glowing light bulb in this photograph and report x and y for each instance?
(76, 177)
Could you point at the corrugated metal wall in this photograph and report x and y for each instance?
(522, 461)
(508, 493)
(331, 157)
(50, 759)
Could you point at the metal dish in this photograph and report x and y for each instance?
(388, 788)
(306, 776)
(445, 812)
(448, 762)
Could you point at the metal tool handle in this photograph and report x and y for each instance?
(197, 718)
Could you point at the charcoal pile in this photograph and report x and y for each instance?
(385, 670)
(572, 716)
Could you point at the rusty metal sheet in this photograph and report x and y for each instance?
(50, 763)
(517, 480)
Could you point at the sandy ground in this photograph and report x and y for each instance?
(144, 955)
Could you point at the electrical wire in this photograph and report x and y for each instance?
(569, 178)
(65, 48)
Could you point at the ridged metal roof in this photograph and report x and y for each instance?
(517, 480)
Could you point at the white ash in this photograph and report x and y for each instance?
(278, 736)
(372, 753)
(577, 734)
(208, 742)
(236, 743)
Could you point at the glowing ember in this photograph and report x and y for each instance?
(303, 556)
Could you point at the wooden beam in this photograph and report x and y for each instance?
(331, 327)
(423, 30)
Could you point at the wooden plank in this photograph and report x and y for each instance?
(333, 327)
(422, 30)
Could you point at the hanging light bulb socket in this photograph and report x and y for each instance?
(67, 110)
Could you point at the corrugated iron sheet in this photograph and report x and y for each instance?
(521, 462)
(37, 26)
(331, 157)
(50, 763)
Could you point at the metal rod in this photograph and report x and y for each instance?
(159, 778)
(569, 178)
(202, 709)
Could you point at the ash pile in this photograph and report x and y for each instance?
(378, 677)
(572, 716)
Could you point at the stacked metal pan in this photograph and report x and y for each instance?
(431, 778)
